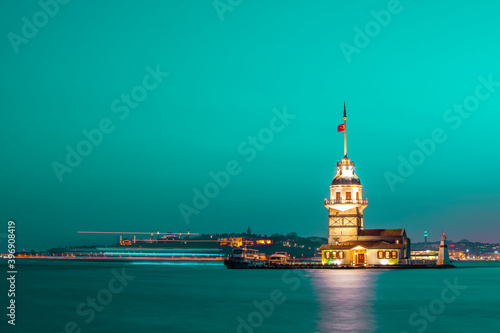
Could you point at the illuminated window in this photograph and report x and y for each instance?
(357, 195)
(334, 255)
(394, 254)
(348, 195)
(337, 196)
(380, 254)
(341, 254)
(387, 255)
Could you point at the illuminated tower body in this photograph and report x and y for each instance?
(346, 204)
(443, 256)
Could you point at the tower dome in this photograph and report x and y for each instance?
(345, 173)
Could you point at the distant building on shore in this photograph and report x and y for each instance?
(349, 243)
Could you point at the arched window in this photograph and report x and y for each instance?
(394, 254)
(341, 254)
(380, 254)
(387, 255)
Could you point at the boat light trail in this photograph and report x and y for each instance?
(137, 233)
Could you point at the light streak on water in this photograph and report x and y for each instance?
(173, 263)
(163, 254)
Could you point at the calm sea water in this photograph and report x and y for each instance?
(57, 297)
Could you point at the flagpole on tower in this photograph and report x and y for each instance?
(345, 133)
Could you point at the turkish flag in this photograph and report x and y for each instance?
(341, 128)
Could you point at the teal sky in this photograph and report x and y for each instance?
(225, 79)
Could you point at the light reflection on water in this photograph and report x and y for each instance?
(346, 299)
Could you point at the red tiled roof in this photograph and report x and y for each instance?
(365, 244)
(381, 232)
